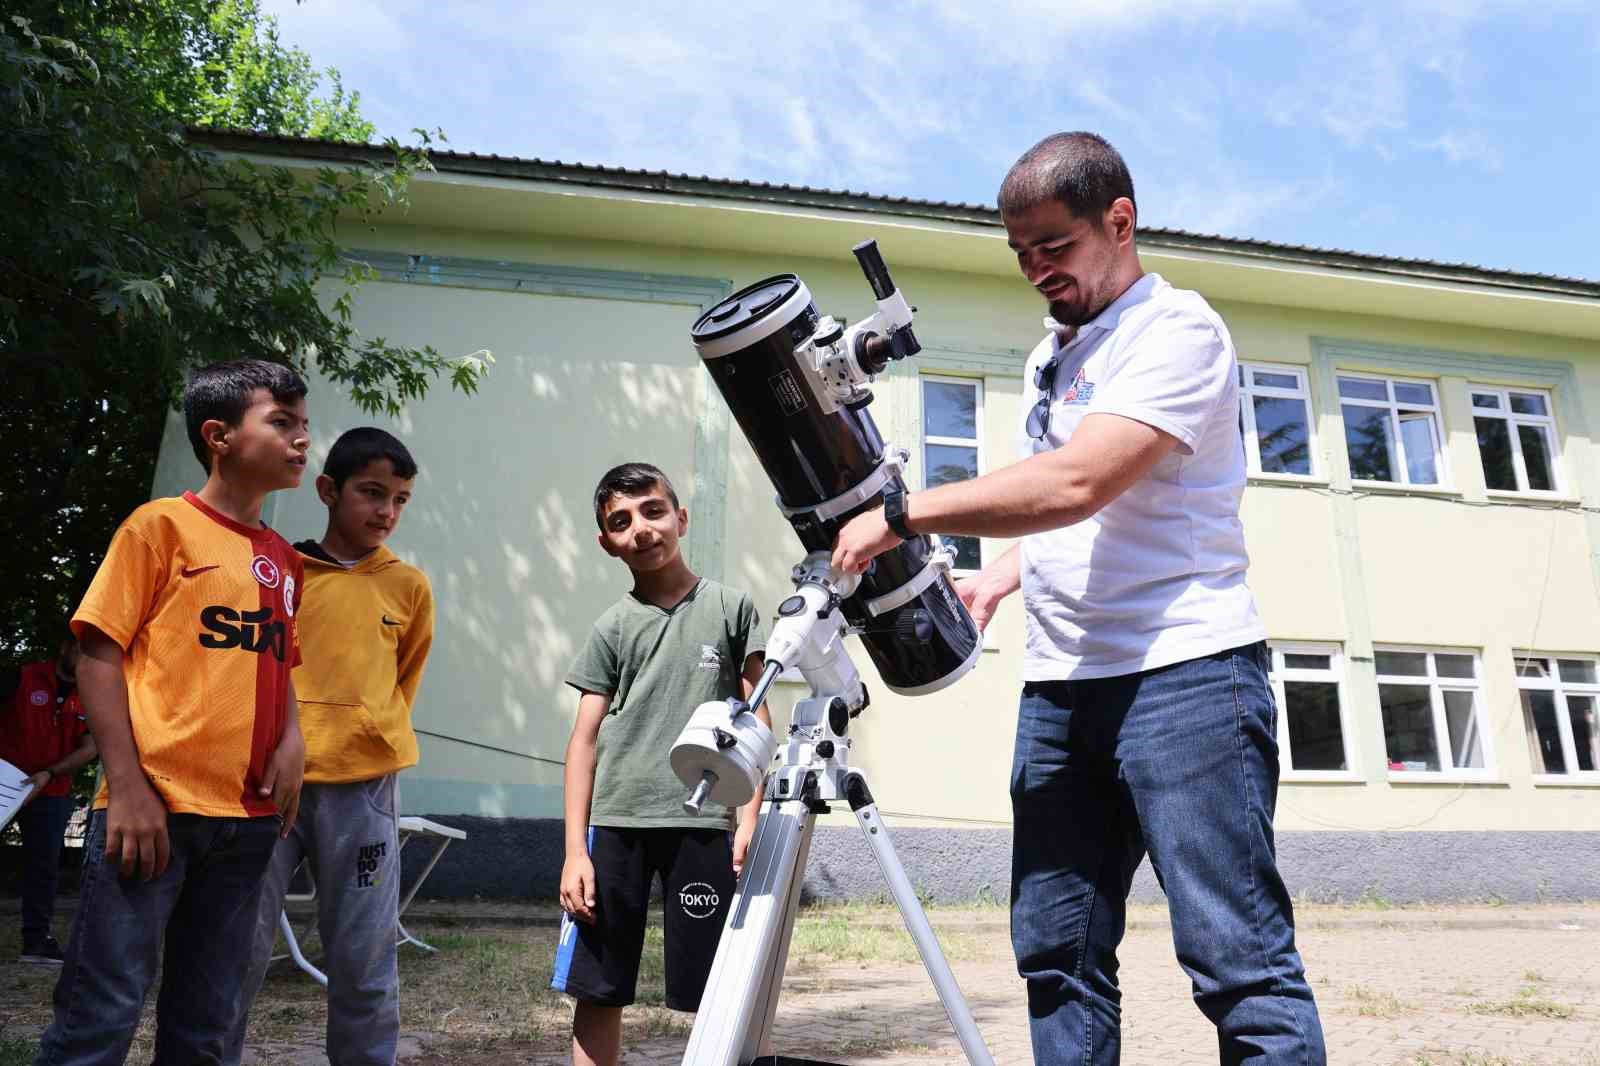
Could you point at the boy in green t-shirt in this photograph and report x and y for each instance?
(672, 643)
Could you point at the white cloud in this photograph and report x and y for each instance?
(1231, 112)
(1470, 147)
(320, 26)
(1220, 200)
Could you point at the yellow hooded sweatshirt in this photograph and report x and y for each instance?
(365, 631)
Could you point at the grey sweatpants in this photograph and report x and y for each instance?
(348, 834)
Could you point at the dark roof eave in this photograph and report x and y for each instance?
(970, 214)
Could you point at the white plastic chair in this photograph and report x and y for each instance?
(409, 826)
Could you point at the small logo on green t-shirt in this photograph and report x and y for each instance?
(710, 657)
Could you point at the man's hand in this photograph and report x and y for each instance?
(38, 780)
(982, 592)
(863, 538)
(981, 598)
(577, 888)
(136, 829)
(741, 843)
(286, 772)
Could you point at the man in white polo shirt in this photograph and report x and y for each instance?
(1146, 724)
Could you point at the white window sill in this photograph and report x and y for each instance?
(1443, 777)
(1580, 779)
(1547, 499)
(1321, 777)
(1261, 477)
(1395, 488)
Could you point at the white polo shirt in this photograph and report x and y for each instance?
(1158, 575)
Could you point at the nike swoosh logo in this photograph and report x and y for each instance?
(191, 571)
(389, 621)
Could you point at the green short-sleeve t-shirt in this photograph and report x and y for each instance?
(658, 666)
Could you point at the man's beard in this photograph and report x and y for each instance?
(1073, 315)
(1077, 313)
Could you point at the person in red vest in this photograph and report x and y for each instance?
(43, 732)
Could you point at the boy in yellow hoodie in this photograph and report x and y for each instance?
(366, 624)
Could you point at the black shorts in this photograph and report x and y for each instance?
(599, 963)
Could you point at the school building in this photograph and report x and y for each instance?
(1423, 512)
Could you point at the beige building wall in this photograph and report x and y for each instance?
(593, 366)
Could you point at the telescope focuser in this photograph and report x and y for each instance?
(886, 336)
(914, 627)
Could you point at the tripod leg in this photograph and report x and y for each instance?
(916, 919)
(741, 994)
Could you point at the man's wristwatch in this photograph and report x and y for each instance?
(894, 512)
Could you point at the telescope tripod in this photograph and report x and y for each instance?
(741, 995)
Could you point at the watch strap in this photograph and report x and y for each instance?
(894, 512)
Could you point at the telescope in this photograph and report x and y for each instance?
(798, 385)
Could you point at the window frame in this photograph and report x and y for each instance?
(1247, 412)
(1337, 675)
(1555, 684)
(1394, 408)
(1437, 686)
(1518, 464)
(975, 442)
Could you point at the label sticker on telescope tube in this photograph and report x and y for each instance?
(788, 393)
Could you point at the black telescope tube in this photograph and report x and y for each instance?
(756, 345)
(873, 267)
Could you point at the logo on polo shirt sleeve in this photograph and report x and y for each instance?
(39, 697)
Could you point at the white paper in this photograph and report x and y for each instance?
(15, 788)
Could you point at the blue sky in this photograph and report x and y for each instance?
(1463, 132)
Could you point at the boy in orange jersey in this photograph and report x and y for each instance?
(367, 627)
(188, 638)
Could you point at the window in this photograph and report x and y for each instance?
(1516, 438)
(1432, 721)
(952, 419)
(1391, 428)
(1306, 680)
(1559, 697)
(1275, 418)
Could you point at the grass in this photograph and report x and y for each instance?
(1527, 1003)
(489, 987)
(484, 988)
(16, 1052)
(837, 936)
(874, 1046)
(1376, 1004)
(1480, 1058)
(1373, 898)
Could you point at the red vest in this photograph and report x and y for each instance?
(38, 727)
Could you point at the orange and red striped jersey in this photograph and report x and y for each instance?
(204, 609)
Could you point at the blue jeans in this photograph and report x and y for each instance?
(202, 911)
(1180, 763)
(43, 823)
